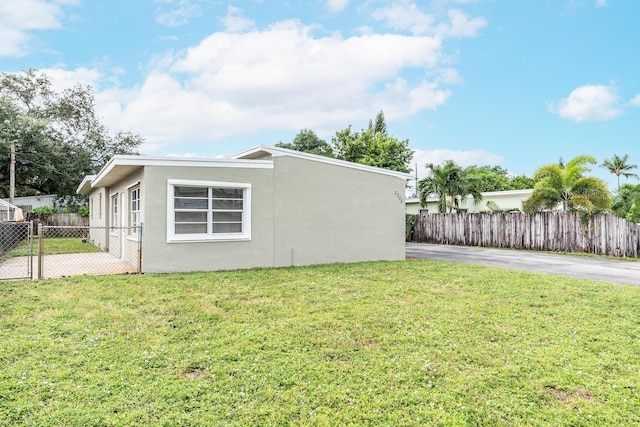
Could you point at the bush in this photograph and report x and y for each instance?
(410, 220)
(44, 211)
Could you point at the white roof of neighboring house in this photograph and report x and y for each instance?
(122, 165)
(260, 150)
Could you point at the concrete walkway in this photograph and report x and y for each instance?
(582, 267)
(93, 264)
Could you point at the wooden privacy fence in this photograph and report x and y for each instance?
(604, 234)
(61, 220)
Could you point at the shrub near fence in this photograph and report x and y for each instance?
(604, 234)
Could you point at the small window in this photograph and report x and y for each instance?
(134, 210)
(201, 210)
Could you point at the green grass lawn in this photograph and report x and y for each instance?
(54, 245)
(409, 343)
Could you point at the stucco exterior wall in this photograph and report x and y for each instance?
(98, 218)
(160, 256)
(123, 241)
(325, 213)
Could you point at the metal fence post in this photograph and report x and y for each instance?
(140, 248)
(30, 269)
(40, 249)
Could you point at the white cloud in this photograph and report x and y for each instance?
(601, 3)
(406, 16)
(588, 103)
(336, 6)
(461, 25)
(178, 12)
(18, 19)
(235, 22)
(65, 79)
(280, 78)
(635, 102)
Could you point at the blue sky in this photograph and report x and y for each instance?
(503, 82)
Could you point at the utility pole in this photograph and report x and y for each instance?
(12, 172)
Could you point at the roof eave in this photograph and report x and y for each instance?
(277, 151)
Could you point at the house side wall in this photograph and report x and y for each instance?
(326, 213)
(160, 256)
(98, 217)
(122, 242)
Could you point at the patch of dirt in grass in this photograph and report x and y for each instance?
(193, 373)
(564, 396)
(583, 393)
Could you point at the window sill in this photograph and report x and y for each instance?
(208, 239)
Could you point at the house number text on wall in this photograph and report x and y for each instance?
(399, 196)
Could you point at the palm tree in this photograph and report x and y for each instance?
(566, 185)
(447, 181)
(619, 166)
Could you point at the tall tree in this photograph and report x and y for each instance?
(619, 165)
(381, 124)
(488, 178)
(307, 141)
(58, 136)
(626, 204)
(373, 146)
(566, 185)
(450, 184)
(522, 182)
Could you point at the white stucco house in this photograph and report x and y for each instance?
(504, 200)
(262, 207)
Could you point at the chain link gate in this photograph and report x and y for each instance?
(80, 250)
(16, 250)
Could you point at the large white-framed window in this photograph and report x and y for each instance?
(115, 213)
(134, 211)
(208, 210)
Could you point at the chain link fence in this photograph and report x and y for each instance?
(78, 250)
(56, 251)
(16, 249)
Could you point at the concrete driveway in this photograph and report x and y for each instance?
(582, 267)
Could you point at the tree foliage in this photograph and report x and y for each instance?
(58, 136)
(627, 202)
(372, 146)
(488, 178)
(522, 182)
(619, 165)
(307, 140)
(565, 185)
(451, 184)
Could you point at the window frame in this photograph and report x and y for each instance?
(210, 235)
(115, 213)
(133, 225)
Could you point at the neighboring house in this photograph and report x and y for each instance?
(28, 203)
(9, 212)
(504, 200)
(262, 207)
